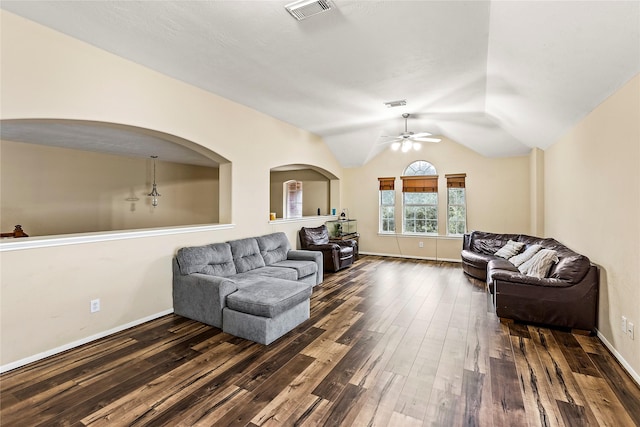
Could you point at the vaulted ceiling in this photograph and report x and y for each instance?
(499, 77)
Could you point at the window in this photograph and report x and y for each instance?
(420, 168)
(456, 204)
(387, 205)
(293, 199)
(420, 198)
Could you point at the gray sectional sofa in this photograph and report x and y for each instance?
(256, 288)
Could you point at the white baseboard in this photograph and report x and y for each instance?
(411, 257)
(53, 351)
(619, 357)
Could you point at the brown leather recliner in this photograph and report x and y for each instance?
(337, 254)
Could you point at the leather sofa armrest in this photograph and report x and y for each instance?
(324, 247)
(519, 278)
(466, 241)
(348, 242)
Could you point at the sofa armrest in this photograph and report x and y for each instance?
(324, 247)
(349, 243)
(466, 241)
(519, 278)
(315, 256)
(201, 297)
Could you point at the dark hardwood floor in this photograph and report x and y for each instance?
(390, 342)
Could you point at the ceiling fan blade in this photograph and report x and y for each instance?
(389, 139)
(421, 134)
(426, 139)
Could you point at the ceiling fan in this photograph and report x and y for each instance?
(409, 140)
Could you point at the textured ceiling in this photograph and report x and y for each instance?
(497, 77)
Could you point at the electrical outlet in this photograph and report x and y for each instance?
(630, 329)
(623, 324)
(95, 305)
(421, 244)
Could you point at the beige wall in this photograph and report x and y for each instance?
(51, 190)
(592, 204)
(536, 182)
(315, 191)
(497, 197)
(46, 291)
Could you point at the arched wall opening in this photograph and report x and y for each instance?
(320, 189)
(61, 177)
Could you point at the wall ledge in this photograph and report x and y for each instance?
(303, 219)
(81, 238)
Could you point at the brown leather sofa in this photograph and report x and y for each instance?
(567, 297)
(337, 254)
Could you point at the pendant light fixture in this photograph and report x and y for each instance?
(154, 192)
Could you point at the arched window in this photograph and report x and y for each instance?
(420, 167)
(420, 198)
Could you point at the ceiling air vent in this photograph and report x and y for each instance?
(305, 8)
(399, 103)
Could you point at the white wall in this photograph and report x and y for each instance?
(592, 204)
(46, 291)
(498, 197)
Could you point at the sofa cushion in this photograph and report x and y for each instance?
(246, 254)
(540, 264)
(273, 247)
(303, 268)
(268, 298)
(510, 249)
(525, 256)
(571, 268)
(267, 271)
(489, 243)
(215, 260)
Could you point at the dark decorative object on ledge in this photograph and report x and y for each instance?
(17, 232)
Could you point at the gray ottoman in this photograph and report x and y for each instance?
(265, 310)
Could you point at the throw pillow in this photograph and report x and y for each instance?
(525, 256)
(510, 249)
(540, 264)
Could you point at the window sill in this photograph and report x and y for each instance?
(423, 236)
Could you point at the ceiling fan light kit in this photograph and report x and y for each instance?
(409, 140)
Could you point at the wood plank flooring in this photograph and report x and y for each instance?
(390, 342)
